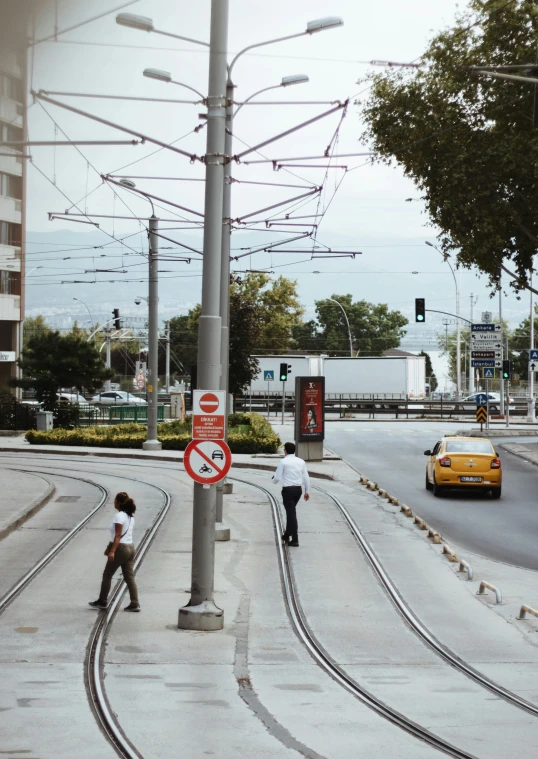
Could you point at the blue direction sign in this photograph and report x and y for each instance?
(485, 327)
(481, 399)
(533, 355)
(269, 375)
(488, 373)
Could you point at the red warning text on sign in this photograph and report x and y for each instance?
(208, 410)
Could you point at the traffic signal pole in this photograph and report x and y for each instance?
(201, 613)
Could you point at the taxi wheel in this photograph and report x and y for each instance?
(429, 486)
(437, 490)
(496, 493)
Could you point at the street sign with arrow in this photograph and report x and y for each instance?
(533, 366)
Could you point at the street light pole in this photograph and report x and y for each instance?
(167, 365)
(531, 414)
(347, 322)
(152, 443)
(458, 325)
(201, 613)
(107, 359)
(79, 300)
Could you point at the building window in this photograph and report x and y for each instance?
(10, 186)
(10, 234)
(11, 88)
(10, 283)
(10, 133)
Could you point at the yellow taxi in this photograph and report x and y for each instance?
(463, 462)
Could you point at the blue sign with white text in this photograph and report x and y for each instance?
(533, 355)
(269, 376)
(481, 399)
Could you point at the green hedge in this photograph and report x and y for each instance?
(174, 436)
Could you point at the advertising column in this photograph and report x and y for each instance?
(310, 417)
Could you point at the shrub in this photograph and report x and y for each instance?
(174, 436)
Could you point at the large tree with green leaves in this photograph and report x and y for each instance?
(467, 140)
(51, 361)
(263, 315)
(374, 328)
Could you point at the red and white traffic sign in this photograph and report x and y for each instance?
(207, 461)
(208, 414)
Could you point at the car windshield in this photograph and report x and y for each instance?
(468, 446)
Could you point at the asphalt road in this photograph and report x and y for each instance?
(392, 454)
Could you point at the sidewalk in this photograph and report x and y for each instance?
(23, 494)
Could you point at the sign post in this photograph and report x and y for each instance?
(482, 409)
(310, 417)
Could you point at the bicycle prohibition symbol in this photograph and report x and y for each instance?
(207, 461)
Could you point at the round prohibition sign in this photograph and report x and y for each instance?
(209, 403)
(207, 461)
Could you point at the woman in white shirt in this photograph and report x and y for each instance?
(120, 552)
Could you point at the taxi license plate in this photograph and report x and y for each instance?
(470, 479)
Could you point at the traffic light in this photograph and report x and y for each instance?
(116, 315)
(283, 372)
(420, 309)
(507, 369)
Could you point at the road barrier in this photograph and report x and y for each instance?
(421, 523)
(467, 567)
(434, 535)
(527, 610)
(484, 585)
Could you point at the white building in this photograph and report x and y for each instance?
(12, 248)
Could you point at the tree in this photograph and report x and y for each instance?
(34, 326)
(263, 315)
(430, 374)
(51, 361)
(468, 141)
(374, 328)
(520, 344)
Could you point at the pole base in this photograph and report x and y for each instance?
(222, 532)
(228, 488)
(151, 445)
(204, 617)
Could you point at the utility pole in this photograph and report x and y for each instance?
(222, 532)
(167, 365)
(531, 415)
(471, 367)
(458, 340)
(201, 613)
(107, 359)
(152, 444)
(501, 379)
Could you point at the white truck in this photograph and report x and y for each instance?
(380, 376)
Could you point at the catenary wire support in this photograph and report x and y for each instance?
(482, 589)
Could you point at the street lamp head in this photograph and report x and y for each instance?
(127, 183)
(138, 301)
(287, 81)
(320, 24)
(161, 76)
(430, 244)
(133, 21)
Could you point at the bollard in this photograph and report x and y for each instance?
(465, 566)
(527, 610)
(421, 523)
(451, 554)
(484, 585)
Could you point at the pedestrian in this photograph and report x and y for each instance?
(120, 552)
(292, 473)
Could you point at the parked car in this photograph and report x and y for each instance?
(75, 398)
(117, 397)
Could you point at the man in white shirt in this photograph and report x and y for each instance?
(292, 473)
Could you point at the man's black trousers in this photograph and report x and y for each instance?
(290, 498)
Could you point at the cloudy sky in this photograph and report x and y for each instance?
(363, 207)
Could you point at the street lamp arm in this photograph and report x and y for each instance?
(259, 92)
(447, 313)
(262, 44)
(100, 327)
(180, 37)
(347, 322)
(188, 87)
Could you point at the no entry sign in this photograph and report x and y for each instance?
(208, 410)
(207, 461)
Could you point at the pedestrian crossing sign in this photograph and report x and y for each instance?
(488, 373)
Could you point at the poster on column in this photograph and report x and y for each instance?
(309, 409)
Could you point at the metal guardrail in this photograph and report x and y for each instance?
(136, 414)
(484, 585)
(527, 610)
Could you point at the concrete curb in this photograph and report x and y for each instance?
(147, 457)
(509, 449)
(29, 511)
(505, 432)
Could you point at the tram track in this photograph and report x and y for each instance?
(93, 664)
(94, 659)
